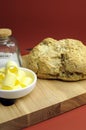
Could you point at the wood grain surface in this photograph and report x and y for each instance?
(49, 98)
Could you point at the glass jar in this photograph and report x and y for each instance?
(8, 48)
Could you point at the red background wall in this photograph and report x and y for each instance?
(33, 20)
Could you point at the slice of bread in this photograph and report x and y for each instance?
(58, 59)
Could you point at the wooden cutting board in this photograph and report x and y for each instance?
(49, 98)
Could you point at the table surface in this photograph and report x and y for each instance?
(73, 120)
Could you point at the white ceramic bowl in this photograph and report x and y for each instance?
(14, 94)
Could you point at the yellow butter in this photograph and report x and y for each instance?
(0, 85)
(9, 80)
(18, 86)
(12, 77)
(2, 69)
(2, 76)
(26, 81)
(6, 88)
(13, 70)
(12, 67)
(21, 75)
(11, 64)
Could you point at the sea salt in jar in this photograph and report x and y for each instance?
(8, 48)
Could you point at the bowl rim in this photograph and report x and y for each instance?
(22, 89)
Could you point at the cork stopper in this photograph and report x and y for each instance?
(5, 32)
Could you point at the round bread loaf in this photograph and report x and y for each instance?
(58, 59)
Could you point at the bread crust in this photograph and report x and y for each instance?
(58, 59)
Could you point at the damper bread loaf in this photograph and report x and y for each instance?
(58, 59)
